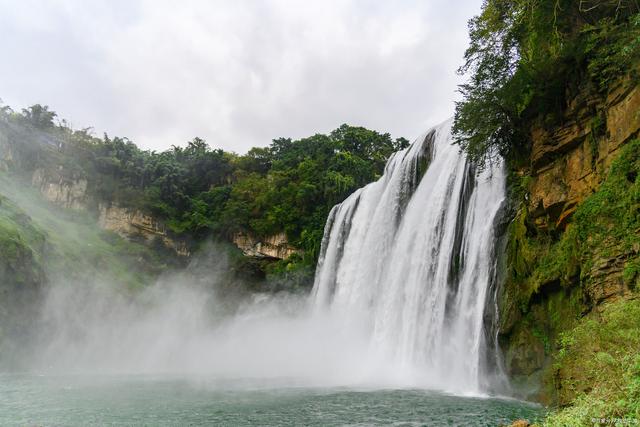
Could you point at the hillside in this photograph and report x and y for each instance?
(75, 208)
(271, 202)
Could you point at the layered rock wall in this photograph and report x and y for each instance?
(276, 246)
(568, 163)
(69, 193)
(133, 224)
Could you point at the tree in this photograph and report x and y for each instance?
(39, 116)
(525, 59)
(5, 110)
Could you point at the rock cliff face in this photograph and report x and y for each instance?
(66, 192)
(71, 193)
(6, 154)
(129, 223)
(567, 164)
(133, 224)
(276, 246)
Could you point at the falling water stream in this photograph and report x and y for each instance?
(414, 252)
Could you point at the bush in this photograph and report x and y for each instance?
(527, 58)
(598, 367)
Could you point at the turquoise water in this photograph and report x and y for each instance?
(29, 400)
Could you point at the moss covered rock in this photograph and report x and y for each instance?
(556, 278)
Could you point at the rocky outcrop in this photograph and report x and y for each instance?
(606, 274)
(526, 353)
(570, 161)
(69, 193)
(6, 153)
(134, 224)
(276, 246)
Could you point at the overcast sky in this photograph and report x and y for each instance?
(236, 73)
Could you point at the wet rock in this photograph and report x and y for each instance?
(526, 353)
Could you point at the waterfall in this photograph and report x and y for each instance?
(413, 255)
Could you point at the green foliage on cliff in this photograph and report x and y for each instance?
(21, 275)
(528, 58)
(599, 367)
(289, 186)
(36, 237)
(22, 245)
(43, 246)
(555, 277)
(605, 223)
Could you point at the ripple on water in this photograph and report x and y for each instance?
(145, 400)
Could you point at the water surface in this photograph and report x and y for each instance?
(162, 401)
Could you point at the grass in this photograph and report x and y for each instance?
(76, 249)
(596, 370)
(21, 245)
(598, 367)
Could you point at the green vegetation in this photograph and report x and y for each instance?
(21, 275)
(605, 223)
(22, 244)
(528, 58)
(288, 187)
(40, 245)
(65, 244)
(552, 277)
(599, 367)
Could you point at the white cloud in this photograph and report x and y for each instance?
(237, 73)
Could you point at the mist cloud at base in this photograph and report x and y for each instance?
(184, 325)
(205, 321)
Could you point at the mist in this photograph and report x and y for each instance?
(199, 321)
(184, 325)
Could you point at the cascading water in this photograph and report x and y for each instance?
(413, 253)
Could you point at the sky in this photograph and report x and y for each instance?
(235, 73)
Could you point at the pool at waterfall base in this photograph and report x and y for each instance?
(141, 400)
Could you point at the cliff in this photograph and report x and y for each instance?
(71, 189)
(275, 247)
(68, 175)
(67, 192)
(41, 247)
(134, 224)
(572, 246)
(72, 193)
(570, 161)
(60, 187)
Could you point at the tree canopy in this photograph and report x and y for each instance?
(527, 58)
(289, 186)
